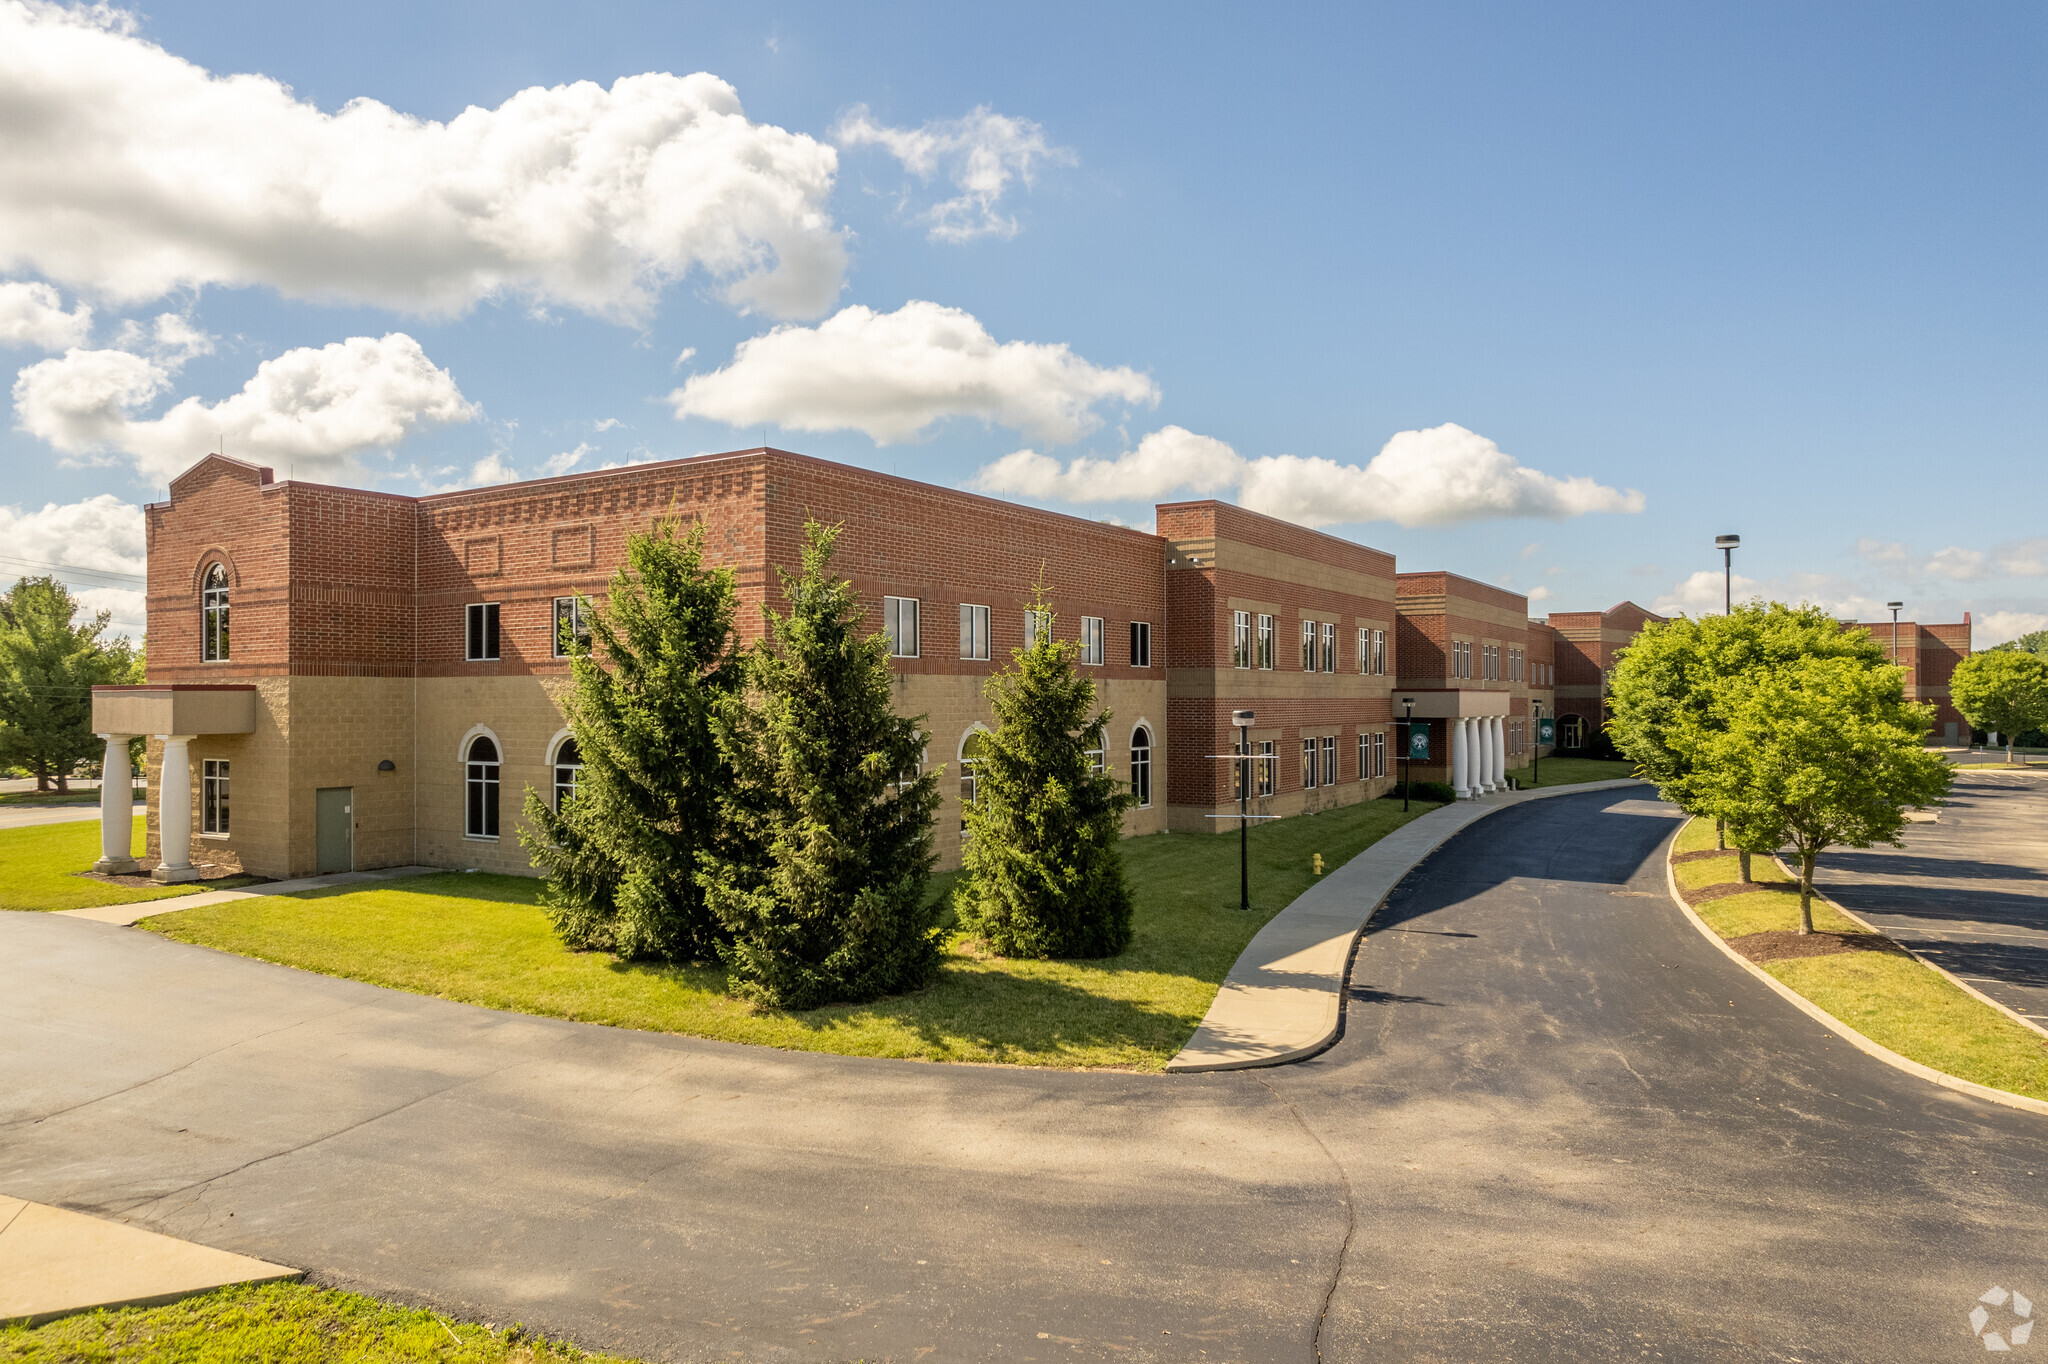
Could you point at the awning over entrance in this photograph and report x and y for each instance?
(174, 708)
(176, 713)
(1445, 704)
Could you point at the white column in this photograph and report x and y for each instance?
(117, 814)
(1482, 757)
(1500, 751)
(1461, 759)
(174, 811)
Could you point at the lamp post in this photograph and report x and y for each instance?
(1727, 544)
(1243, 720)
(1895, 607)
(1536, 748)
(1407, 752)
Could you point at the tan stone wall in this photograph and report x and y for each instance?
(524, 715)
(259, 839)
(342, 727)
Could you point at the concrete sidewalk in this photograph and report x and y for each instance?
(1284, 998)
(124, 915)
(54, 1262)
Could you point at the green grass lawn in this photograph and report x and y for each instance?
(36, 798)
(39, 868)
(1571, 771)
(285, 1323)
(483, 940)
(1889, 997)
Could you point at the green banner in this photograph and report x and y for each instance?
(1418, 743)
(1546, 730)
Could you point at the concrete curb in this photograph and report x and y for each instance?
(1836, 1025)
(123, 916)
(1284, 999)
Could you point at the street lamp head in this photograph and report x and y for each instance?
(1241, 718)
(1894, 606)
(1408, 701)
(1727, 541)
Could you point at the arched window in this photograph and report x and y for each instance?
(970, 755)
(1571, 732)
(483, 789)
(1141, 765)
(568, 765)
(213, 614)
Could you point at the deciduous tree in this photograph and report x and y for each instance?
(2002, 690)
(823, 886)
(1045, 872)
(621, 857)
(49, 663)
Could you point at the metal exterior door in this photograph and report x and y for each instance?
(336, 824)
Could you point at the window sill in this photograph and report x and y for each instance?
(480, 838)
(217, 838)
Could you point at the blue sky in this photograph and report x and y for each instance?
(1773, 270)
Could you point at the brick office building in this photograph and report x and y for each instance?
(1587, 645)
(341, 678)
(1929, 654)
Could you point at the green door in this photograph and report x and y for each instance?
(337, 828)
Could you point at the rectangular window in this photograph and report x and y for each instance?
(1141, 644)
(1379, 754)
(1365, 651)
(1379, 653)
(213, 796)
(1329, 648)
(1091, 642)
(571, 627)
(1237, 773)
(1269, 767)
(1364, 756)
(1329, 760)
(1095, 761)
(899, 623)
(973, 631)
(1034, 621)
(1308, 646)
(482, 645)
(1266, 642)
(1241, 639)
(1308, 765)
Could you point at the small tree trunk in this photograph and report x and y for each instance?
(1742, 856)
(63, 782)
(1721, 835)
(2008, 749)
(1805, 892)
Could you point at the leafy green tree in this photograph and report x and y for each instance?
(1045, 869)
(823, 886)
(620, 858)
(1814, 753)
(2035, 643)
(49, 663)
(2002, 690)
(1661, 695)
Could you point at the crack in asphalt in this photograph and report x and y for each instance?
(1350, 1211)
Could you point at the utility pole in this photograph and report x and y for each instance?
(1727, 544)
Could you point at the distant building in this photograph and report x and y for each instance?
(1588, 645)
(1928, 654)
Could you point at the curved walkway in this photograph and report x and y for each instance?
(1559, 1125)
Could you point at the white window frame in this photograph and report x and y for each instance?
(483, 638)
(1308, 646)
(578, 629)
(1310, 759)
(1329, 760)
(1091, 642)
(1034, 621)
(1379, 653)
(1141, 644)
(556, 767)
(1241, 639)
(969, 783)
(1329, 646)
(1267, 760)
(1141, 766)
(214, 641)
(1266, 643)
(899, 623)
(213, 798)
(482, 778)
(974, 632)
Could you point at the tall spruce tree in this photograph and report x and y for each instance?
(620, 858)
(1043, 857)
(822, 888)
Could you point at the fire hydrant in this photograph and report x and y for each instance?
(1319, 864)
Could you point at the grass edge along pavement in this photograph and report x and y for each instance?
(1883, 1000)
(481, 939)
(40, 866)
(289, 1323)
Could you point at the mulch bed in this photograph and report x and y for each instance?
(207, 872)
(1727, 888)
(1697, 856)
(1784, 945)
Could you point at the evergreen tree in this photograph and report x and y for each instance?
(49, 664)
(620, 859)
(822, 887)
(1043, 856)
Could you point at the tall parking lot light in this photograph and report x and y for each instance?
(1895, 607)
(1243, 720)
(1727, 545)
(1408, 752)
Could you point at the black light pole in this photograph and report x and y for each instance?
(1726, 544)
(1243, 720)
(1408, 753)
(1896, 607)
(1536, 749)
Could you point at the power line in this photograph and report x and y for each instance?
(72, 569)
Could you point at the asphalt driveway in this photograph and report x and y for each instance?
(1970, 888)
(1559, 1126)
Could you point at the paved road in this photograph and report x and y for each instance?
(22, 816)
(1970, 889)
(1559, 1126)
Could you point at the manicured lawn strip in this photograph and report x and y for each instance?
(1572, 771)
(284, 1323)
(39, 866)
(483, 940)
(1697, 836)
(1889, 997)
(41, 798)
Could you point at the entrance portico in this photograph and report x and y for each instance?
(175, 714)
(1476, 724)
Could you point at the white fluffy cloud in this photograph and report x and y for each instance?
(31, 314)
(1435, 477)
(892, 375)
(1956, 564)
(1701, 593)
(1996, 627)
(101, 540)
(132, 172)
(2023, 558)
(979, 154)
(312, 409)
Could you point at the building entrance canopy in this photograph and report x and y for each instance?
(175, 713)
